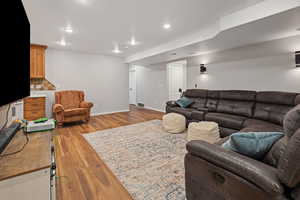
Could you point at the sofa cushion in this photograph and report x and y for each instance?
(255, 125)
(69, 99)
(198, 103)
(226, 120)
(225, 132)
(75, 111)
(240, 95)
(292, 121)
(187, 112)
(275, 153)
(243, 108)
(196, 93)
(198, 115)
(283, 98)
(211, 104)
(253, 144)
(271, 112)
(184, 102)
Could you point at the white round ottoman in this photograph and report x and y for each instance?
(206, 131)
(174, 123)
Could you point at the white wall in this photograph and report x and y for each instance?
(152, 86)
(276, 73)
(104, 79)
(3, 112)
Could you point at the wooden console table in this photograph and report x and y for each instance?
(26, 175)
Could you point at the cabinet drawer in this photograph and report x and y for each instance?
(33, 115)
(34, 104)
(34, 100)
(34, 107)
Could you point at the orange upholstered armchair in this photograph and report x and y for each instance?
(70, 107)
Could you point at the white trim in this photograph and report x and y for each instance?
(111, 112)
(155, 109)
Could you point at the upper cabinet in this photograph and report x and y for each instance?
(37, 61)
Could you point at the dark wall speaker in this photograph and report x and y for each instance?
(297, 58)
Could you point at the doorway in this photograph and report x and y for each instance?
(177, 79)
(132, 85)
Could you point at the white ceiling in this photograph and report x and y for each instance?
(98, 24)
(274, 28)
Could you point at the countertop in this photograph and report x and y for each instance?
(35, 156)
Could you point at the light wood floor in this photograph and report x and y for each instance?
(82, 174)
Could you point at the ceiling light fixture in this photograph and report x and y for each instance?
(68, 29)
(62, 42)
(116, 50)
(133, 42)
(167, 26)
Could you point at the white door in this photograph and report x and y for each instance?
(176, 79)
(132, 86)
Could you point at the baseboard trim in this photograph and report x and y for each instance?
(150, 108)
(111, 112)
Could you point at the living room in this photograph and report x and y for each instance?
(108, 101)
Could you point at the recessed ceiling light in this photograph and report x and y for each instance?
(62, 42)
(116, 50)
(167, 26)
(133, 42)
(68, 29)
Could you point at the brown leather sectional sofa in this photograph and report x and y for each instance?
(237, 110)
(213, 173)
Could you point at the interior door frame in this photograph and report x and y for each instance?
(132, 69)
(182, 63)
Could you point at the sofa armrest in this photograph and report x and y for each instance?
(85, 104)
(172, 104)
(57, 108)
(258, 173)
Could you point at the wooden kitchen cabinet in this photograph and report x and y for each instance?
(37, 61)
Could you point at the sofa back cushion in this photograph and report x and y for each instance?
(273, 106)
(69, 99)
(212, 100)
(198, 96)
(243, 108)
(195, 93)
(237, 102)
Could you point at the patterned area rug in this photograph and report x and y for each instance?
(147, 160)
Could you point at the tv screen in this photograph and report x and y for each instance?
(15, 56)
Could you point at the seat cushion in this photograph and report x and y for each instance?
(226, 120)
(198, 115)
(187, 112)
(75, 111)
(271, 112)
(254, 125)
(243, 108)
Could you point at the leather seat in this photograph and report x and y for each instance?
(76, 111)
(255, 125)
(187, 112)
(198, 115)
(226, 120)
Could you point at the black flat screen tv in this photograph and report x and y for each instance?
(15, 55)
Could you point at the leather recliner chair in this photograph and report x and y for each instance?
(214, 173)
(70, 107)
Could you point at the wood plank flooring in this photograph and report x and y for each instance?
(82, 174)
